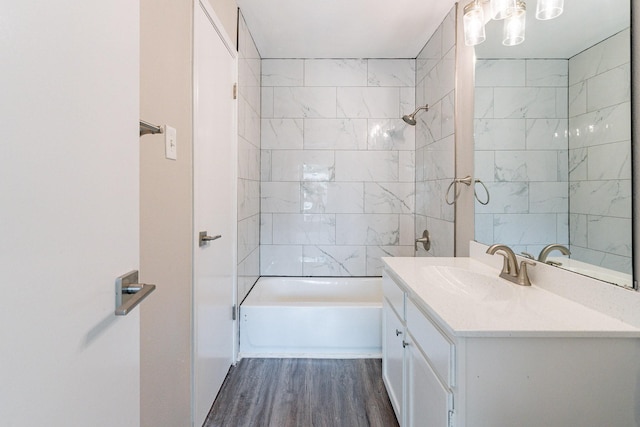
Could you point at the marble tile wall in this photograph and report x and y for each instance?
(599, 154)
(521, 132)
(249, 65)
(337, 181)
(435, 140)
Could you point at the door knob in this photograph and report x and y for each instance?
(203, 238)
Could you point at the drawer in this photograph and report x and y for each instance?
(434, 344)
(394, 294)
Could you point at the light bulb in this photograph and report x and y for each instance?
(473, 24)
(549, 9)
(514, 25)
(500, 9)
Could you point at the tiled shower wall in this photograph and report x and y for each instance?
(521, 152)
(435, 140)
(248, 161)
(600, 154)
(337, 187)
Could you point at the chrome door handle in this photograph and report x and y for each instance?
(203, 238)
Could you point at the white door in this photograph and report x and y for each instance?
(214, 208)
(69, 201)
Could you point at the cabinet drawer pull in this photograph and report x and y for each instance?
(404, 344)
(398, 332)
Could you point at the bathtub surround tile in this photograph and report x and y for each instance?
(549, 197)
(282, 72)
(407, 100)
(334, 261)
(500, 134)
(304, 229)
(506, 197)
(547, 72)
(390, 197)
(248, 198)
(609, 161)
(609, 88)
(613, 197)
(367, 166)
(369, 102)
(302, 102)
(281, 260)
(266, 103)
(324, 140)
(335, 134)
(282, 134)
(370, 229)
(577, 99)
(390, 134)
(252, 99)
(248, 160)
(302, 165)
(248, 236)
(266, 229)
(333, 197)
(525, 102)
(407, 164)
(492, 73)
(280, 197)
(335, 72)
(483, 103)
(610, 235)
(524, 229)
(547, 134)
(392, 72)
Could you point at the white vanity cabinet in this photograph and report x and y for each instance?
(419, 395)
(450, 361)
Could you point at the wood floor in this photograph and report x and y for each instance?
(303, 393)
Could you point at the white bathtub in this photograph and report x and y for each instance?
(312, 317)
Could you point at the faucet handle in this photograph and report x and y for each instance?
(523, 274)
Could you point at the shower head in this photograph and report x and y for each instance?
(411, 118)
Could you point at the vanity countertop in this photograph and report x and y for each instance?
(509, 311)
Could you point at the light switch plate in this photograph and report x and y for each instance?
(170, 143)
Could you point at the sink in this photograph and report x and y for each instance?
(470, 284)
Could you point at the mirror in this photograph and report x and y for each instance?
(552, 128)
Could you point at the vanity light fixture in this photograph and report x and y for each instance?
(514, 25)
(473, 24)
(549, 9)
(512, 11)
(500, 9)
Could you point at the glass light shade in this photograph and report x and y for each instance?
(500, 9)
(549, 9)
(473, 24)
(514, 26)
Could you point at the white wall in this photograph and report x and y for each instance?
(166, 213)
(337, 165)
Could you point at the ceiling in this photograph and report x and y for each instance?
(401, 28)
(343, 28)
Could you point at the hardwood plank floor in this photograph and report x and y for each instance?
(303, 393)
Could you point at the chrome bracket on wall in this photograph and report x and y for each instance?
(130, 293)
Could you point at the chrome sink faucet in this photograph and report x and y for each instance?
(544, 253)
(510, 270)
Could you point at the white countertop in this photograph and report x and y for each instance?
(517, 311)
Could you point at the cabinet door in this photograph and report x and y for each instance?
(428, 400)
(393, 357)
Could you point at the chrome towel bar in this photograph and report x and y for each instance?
(148, 128)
